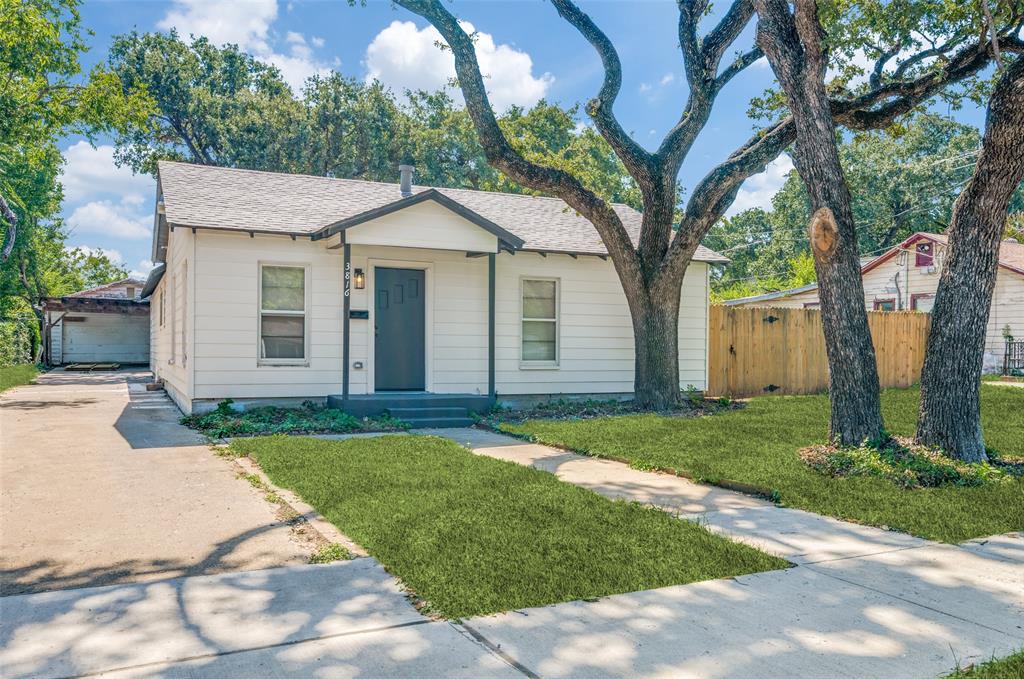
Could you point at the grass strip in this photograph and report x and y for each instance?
(472, 535)
(757, 446)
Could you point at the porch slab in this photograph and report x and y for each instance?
(370, 405)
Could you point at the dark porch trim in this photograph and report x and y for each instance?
(491, 281)
(346, 307)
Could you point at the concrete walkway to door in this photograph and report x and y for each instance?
(861, 602)
(102, 485)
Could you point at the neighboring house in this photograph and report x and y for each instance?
(906, 278)
(279, 288)
(105, 324)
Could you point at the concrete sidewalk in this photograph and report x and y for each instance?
(862, 602)
(343, 619)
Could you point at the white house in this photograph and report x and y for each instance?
(906, 278)
(280, 288)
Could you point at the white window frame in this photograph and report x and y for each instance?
(535, 364)
(305, 314)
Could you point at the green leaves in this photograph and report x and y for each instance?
(222, 106)
(44, 95)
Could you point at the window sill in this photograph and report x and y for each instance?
(282, 364)
(538, 365)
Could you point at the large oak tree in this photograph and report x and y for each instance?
(950, 415)
(918, 49)
(793, 45)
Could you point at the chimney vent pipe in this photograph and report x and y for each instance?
(405, 172)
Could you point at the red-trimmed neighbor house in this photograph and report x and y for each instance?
(906, 278)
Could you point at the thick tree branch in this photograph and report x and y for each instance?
(701, 59)
(12, 229)
(637, 160)
(504, 157)
(714, 194)
(725, 33)
(737, 66)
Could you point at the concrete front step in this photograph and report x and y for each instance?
(437, 422)
(375, 404)
(429, 412)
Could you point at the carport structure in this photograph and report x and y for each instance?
(105, 324)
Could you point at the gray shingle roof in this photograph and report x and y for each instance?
(224, 198)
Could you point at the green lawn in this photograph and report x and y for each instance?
(472, 535)
(757, 445)
(17, 375)
(1010, 667)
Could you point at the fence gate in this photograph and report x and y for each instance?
(1013, 359)
(759, 351)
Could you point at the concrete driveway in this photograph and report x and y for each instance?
(99, 484)
(165, 561)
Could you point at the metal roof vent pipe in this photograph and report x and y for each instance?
(405, 172)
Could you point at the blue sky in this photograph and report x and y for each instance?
(526, 49)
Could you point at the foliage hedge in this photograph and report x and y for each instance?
(15, 343)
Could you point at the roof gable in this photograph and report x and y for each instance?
(506, 239)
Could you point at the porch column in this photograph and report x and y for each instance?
(346, 306)
(491, 258)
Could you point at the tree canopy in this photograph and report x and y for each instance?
(44, 95)
(903, 179)
(220, 106)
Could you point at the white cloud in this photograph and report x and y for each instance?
(113, 255)
(88, 171)
(759, 190)
(654, 92)
(142, 269)
(240, 22)
(247, 23)
(121, 219)
(403, 56)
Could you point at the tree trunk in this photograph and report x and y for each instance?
(950, 415)
(656, 342)
(11, 233)
(793, 47)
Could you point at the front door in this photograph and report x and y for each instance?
(400, 317)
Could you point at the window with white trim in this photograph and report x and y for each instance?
(283, 317)
(540, 321)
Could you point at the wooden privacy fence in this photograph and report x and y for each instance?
(759, 351)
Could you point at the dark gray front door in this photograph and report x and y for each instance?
(400, 316)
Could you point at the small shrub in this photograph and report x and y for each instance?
(15, 343)
(905, 463)
(225, 421)
(329, 553)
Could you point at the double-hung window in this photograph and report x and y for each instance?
(283, 307)
(540, 322)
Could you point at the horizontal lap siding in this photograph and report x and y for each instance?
(1007, 310)
(595, 329)
(226, 350)
(176, 291)
(457, 305)
(596, 336)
